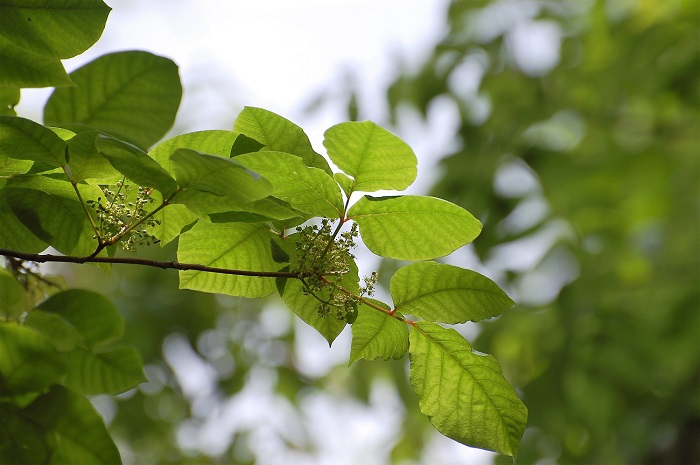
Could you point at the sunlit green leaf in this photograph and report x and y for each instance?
(463, 392)
(135, 164)
(24, 139)
(308, 189)
(344, 182)
(278, 134)
(11, 295)
(75, 432)
(447, 293)
(131, 95)
(413, 227)
(29, 362)
(374, 157)
(53, 29)
(218, 176)
(20, 68)
(232, 246)
(85, 161)
(214, 142)
(377, 335)
(107, 372)
(49, 208)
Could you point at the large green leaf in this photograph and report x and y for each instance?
(48, 207)
(463, 392)
(111, 372)
(19, 68)
(93, 316)
(131, 95)
(24, 139)
(11, 295)
(413, 227)
(377, 335)
(54, 29)
(215, 142)
(29, 362)
(373, 156)
(278, 134)
(14, 234)
(135, 164)
(75, 432)
(307, 189)
(232, 246)
(447, 293)
(218, 176)
(86, 162)
(9, 98)
(21, 440)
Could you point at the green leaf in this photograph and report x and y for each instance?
(48, 207)
(375, 157)
(463, 392)
(75, 432)
(93, 316)
(232, 246)
(85, 162)
(9, 98)
(171, 220)
(54, 29)
(62, 334)
(135, 164)
(377, 335)
(24, 139)
(306, 308)
(131, 95)
(413, 227)
(447, 293)
(218, 176)
(216, 142)
(308, 189)
(278, 134)
(11, 295)
(29, 362)
(14, 235)
(21, 441)
(110, 372)
(19, 68)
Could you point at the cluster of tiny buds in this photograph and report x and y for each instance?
(116, 213)
(324, 258)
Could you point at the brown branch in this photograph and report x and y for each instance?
(175, 265)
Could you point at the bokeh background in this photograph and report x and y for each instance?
(571, 128)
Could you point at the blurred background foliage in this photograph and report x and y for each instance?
(577, 143)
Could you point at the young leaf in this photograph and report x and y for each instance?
(307, 189)
(75, 432)
(135, 164)
(463, 392)
(377, 335)
(93, 316)
(234, 246)
(376, 158)
(54, 29)
(109, 372)
(11, 295)
(131, 95)
(29, 362)
(24, 139)
(218, 176)
(447, 293)
(21, 69)
(413, 227)
(279, 134)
